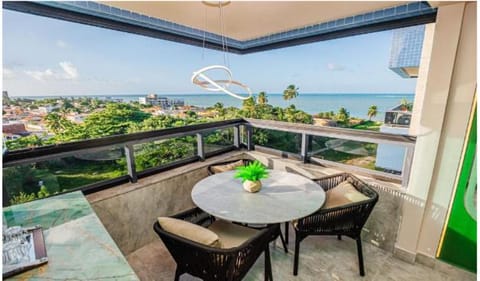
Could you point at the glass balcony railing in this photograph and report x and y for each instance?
(92, 165)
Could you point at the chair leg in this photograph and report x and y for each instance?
(268, 265)
(297, 252)
(360, 256)
(177, 274)
(339, 237)
(283, 241)
(286, 233)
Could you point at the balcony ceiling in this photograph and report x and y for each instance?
(246, 20)
(248, 25)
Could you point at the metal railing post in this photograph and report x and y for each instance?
(200, 147)
(129, 154)
(407, 165)
(304, 147)
(236, 137)
(249, 137)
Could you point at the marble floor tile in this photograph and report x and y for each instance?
(321, 258)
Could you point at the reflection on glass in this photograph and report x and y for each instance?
(218, 139)
(28, 182)
(380, 157)
(284, 141)
(161, 152)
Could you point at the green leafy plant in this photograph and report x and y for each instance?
(252, 172)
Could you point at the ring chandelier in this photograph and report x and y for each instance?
(200, 77)
(218, 85)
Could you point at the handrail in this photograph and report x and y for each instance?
(126, 142)
(333, 132)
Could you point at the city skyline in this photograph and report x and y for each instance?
(48, 57)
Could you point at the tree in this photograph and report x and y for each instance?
(115, 119)
(53, 122)
(343, 116)
(248, 106)
(372, 112)
(262, 98)
(290, 92)
(406, 105)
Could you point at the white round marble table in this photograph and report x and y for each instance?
(284, 197)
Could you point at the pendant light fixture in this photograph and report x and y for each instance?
(200, 77)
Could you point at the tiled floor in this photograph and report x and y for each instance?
(321, 258)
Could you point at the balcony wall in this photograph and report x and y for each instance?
(129, 211)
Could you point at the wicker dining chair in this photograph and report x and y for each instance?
(347, 220)
(211, 263)
(211, 169)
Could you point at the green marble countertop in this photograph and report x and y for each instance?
(78, 245)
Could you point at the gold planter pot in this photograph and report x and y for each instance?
(252, 186)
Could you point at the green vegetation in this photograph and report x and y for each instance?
(372, 112)
(290, 92)
(368, 125)
(252, 172)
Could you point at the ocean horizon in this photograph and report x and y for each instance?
(356, 103)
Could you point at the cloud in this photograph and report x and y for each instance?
(8, 73)
(335, 67)
(68, 72)
(40, 75)
(61, 44)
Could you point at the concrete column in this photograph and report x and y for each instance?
(431, 97)
(455, 126)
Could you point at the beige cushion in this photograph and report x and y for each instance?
(231, 235)
(190, 231)
(226, 167)
(343, 194)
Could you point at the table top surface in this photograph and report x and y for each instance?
(78, 245)
(284, 197)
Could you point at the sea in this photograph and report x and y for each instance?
(357, 104)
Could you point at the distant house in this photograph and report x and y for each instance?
(390, 157)
(163, 102)
(14, 131)
(47, 109)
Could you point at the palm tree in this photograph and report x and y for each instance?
(262, 98)
(53, 121)
(406, 105)
(372, 112)
(290, 92)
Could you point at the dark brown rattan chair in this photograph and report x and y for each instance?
(209, 263)
(345, 220)
(245, 162)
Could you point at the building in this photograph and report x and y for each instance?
(163, 102)
(406, 51)
(14, 131)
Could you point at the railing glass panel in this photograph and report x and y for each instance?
(279, 140)
(380, 157)
(161, 152)
(218, 140)
(27, 182)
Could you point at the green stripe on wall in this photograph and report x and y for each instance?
(460, 242)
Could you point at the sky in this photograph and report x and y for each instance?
(43, 56)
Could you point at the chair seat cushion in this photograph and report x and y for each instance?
(343, 194)
(231, 235)
(226, 167)
(190, 231)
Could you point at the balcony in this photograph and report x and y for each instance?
(127, 205)
(106, 193)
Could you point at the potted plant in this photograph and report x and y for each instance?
(251, 176)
